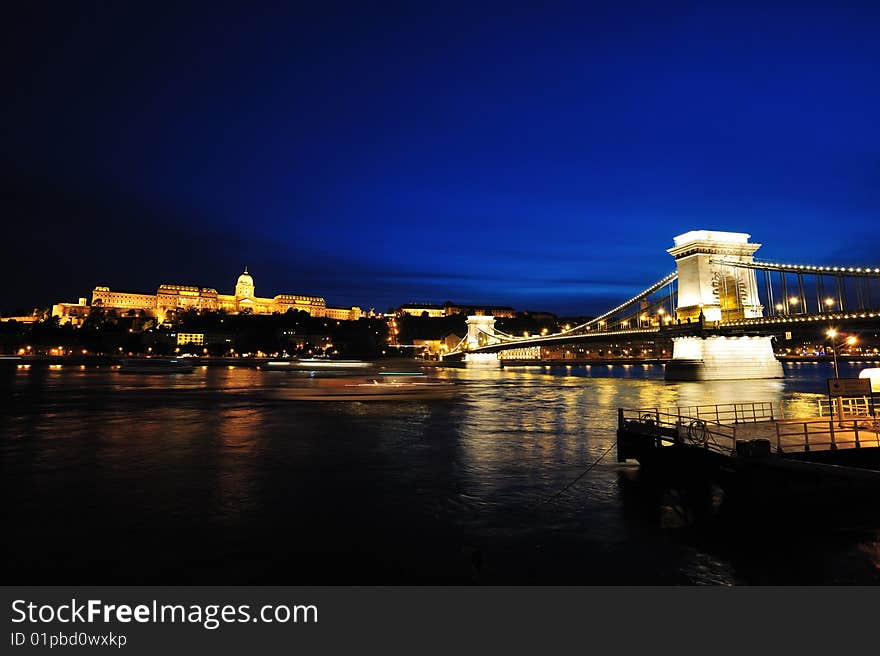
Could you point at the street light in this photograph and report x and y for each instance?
(832, 334)
(829, 303)
(851, 341)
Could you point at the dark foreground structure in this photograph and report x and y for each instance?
(762, 464)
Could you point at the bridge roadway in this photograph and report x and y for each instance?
(754, 326)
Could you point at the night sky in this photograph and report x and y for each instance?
(541, 157)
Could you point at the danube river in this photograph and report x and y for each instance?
(205, 478)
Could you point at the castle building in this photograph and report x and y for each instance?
(169, 299)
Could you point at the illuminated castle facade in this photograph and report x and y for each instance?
(172, 298)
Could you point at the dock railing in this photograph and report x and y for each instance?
(821, 434)
(851, 407)
(719, 427)
(695, 425)
(726, 413)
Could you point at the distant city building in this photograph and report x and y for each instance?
(344, 314)
(172, 298)
(437, 347)
(499, 311)
(190, 338)
(449, 309)
(74, 313)
(26, 318)
(422, 309)
(301, 341)
(544, 317)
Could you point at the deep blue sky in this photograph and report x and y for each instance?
(541, 157)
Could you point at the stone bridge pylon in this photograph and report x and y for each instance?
(481, 332)
(712, 289)
(709, 282)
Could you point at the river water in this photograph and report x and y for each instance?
(206, 478)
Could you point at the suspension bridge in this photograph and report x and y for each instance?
(720, 307)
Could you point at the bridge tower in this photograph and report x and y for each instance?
(481, 332)
(707, 284)
(710, 289)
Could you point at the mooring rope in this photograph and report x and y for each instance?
(583, 473)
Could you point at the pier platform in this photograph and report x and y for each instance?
(720, 427)
(760, 457)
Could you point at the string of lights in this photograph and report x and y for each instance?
(801, 268)
(638, 297)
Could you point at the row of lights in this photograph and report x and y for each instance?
(544, 337)
(672, 276)
(794, 300)
(809, 267)
(818, 317)
(55, 350)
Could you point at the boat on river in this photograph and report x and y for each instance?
(368, 389)
(315, 364)
(156, 366)
(328, 363)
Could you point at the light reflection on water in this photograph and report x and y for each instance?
(205, 478)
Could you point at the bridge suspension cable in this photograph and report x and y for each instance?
(635, 299)
(507, 338)
(849, 287)
(666, 280)
(850, 271)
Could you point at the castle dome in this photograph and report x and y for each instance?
(245, 279)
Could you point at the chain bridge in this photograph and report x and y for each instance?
(720, 308)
